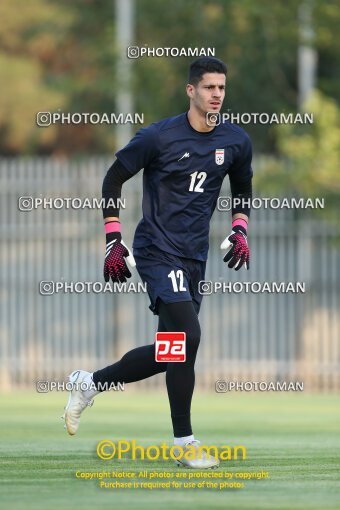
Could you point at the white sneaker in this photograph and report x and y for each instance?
(202, 460)
(77, 402)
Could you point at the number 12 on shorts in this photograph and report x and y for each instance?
(177, 280)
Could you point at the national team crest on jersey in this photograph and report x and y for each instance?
(219, 156)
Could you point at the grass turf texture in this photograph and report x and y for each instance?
(295, 437)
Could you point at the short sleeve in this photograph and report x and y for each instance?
(141, 150)
(241, 170)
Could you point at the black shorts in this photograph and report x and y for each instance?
(168, 277)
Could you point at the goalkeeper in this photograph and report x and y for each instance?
(185, 159)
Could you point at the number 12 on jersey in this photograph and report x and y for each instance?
(197, 179)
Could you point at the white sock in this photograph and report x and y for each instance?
(91, 390)
(180, 441)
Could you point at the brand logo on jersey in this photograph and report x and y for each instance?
(185, 155)
(219, 156)
(170, 346)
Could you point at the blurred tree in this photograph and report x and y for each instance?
(55, 56)
(60, 54)
(258, 43)
(87, 71)
(327, 21)
(30, 34)
(310, 160)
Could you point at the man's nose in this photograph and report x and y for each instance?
(217, 93)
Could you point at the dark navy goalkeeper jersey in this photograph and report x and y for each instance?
(183, 174)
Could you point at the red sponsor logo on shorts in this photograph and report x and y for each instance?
(170, 346)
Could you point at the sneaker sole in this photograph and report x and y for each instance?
(72, 378)
(180, 464)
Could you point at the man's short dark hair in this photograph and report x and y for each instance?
(205, 65)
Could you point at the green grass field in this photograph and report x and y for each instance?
(294, 437)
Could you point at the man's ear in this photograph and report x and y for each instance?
(190, 90)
